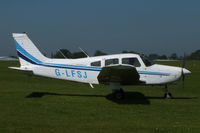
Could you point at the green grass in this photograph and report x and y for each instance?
(36, 104)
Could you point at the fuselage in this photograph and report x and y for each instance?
(87, 69)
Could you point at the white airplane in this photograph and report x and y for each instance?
(114, 70)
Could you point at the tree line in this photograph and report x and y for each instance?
(65, 53)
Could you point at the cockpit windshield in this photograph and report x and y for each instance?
(146, 61)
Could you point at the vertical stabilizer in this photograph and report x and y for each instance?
(26, 50)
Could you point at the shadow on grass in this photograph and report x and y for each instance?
(41, 94)
(130, 97)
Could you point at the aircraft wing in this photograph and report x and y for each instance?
(123, 74)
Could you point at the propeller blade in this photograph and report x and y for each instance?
(183, 79)
(183, 63)
(182, 73)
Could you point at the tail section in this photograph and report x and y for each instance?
(27, 51)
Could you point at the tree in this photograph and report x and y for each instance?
(12, 56)
(125, 51)
(153, 56)
(173, 56)
(78, 55)
(195, 55)
(99, 53)
(163, 57)
(45, 54)
(52, 55)
(65, 52)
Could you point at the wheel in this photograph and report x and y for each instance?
(119, 94)
(168, 95)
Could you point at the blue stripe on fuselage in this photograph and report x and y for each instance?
(153, 73)
(30, 61)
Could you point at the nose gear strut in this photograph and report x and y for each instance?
(167, 94)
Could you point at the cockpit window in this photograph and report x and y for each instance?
(96, 63)
(111, 61)
(146, 61)
(131, 61)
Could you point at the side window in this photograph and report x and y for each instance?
(111, 61)
(131, 61)
(96, 63)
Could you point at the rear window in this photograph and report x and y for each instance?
(111, 61)
(131, 61)
(96, 63)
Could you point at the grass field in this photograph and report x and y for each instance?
(42, 105)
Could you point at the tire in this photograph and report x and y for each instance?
(119, 94)
(168, 96)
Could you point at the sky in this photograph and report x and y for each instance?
(144, 26)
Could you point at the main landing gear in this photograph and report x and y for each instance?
(167, 94)
(118, 94)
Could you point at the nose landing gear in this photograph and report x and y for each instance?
(167, 94)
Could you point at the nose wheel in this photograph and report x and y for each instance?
(167, 94)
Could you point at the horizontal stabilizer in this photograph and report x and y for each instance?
(24, 69)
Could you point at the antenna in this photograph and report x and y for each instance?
(62, 54)
(83, 51)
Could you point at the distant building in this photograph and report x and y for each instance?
(6, 58)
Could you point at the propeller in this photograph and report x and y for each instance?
(182, 71)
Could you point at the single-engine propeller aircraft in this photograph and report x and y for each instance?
(113, 70)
